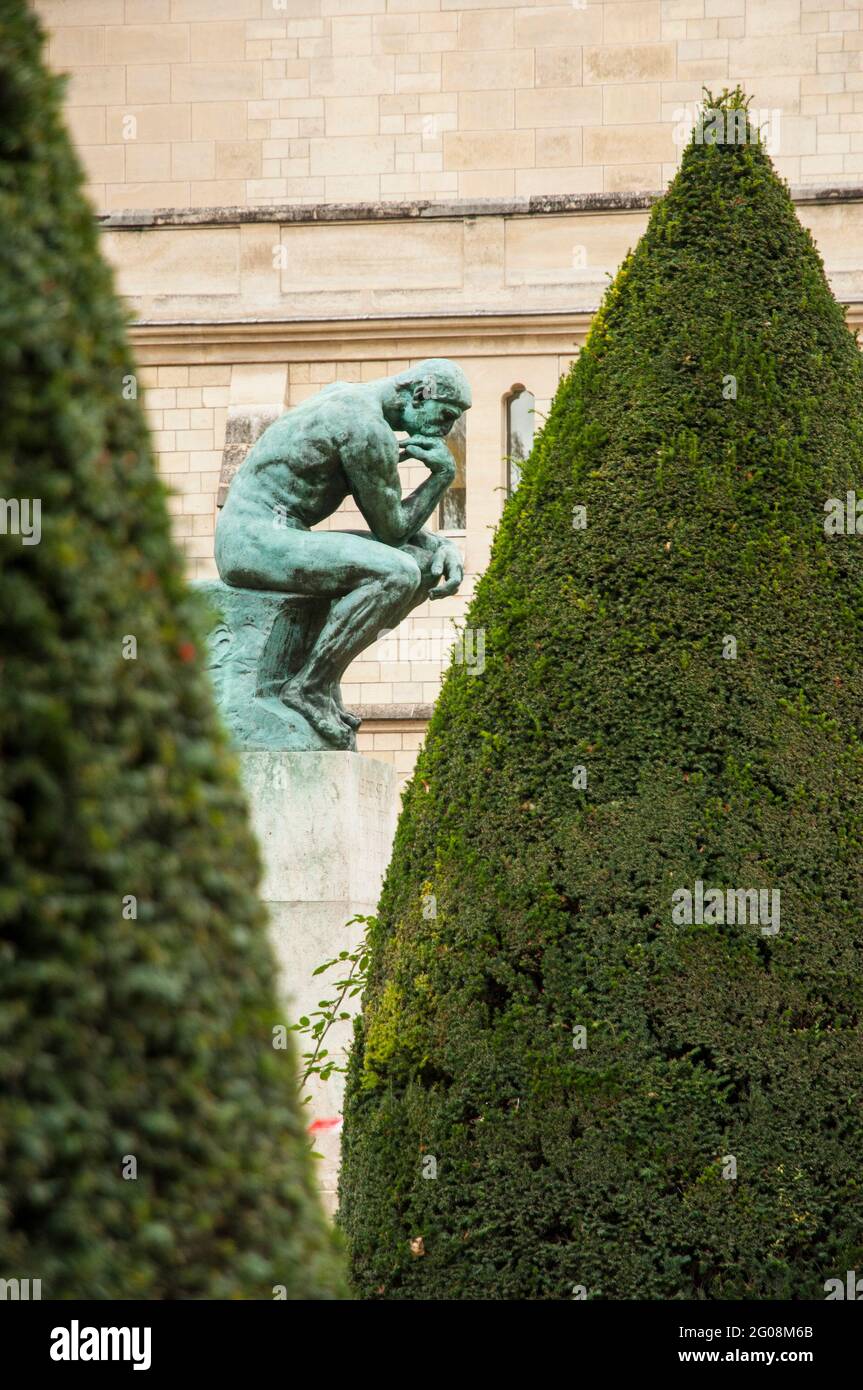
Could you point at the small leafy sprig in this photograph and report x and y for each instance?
(316, 1025)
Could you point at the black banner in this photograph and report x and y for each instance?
(251, 1339)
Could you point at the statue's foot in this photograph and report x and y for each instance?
(321, 711)
(353, 721)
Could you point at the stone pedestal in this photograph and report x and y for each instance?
(259, 640)
(325, 823)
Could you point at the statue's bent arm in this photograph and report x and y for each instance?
(371, 468)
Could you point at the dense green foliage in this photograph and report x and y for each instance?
(149, 1036)
(605, 1166)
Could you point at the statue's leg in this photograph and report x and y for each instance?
(427, 581)
(423, 559)
(371, 585)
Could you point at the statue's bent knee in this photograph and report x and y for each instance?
(404, 578)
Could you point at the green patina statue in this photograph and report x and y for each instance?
(297, 605)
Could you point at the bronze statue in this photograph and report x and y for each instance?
(345, 587)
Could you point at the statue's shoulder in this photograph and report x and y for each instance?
(356, 414)
(344, 412)
(348, 399)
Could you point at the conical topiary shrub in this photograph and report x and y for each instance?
(150, 1140)
(561, 1087)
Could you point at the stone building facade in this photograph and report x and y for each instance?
(300, 191)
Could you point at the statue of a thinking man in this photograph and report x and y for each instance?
(339, 443)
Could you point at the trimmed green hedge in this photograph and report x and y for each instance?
(607, 1168)
(121, 1036)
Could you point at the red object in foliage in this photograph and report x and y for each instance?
(317, 1126)
(188, 651)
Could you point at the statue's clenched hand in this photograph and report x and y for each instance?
(447, 565)
(432, 452)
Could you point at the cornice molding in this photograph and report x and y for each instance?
(352, 339)
(426, 209)
(393, 713)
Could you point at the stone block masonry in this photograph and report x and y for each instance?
(193, 103)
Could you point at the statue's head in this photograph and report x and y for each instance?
(431, 396)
